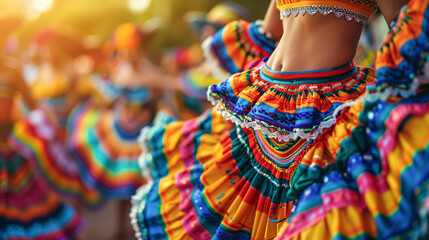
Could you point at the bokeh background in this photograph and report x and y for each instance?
(95, 19)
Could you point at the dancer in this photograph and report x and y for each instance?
(28, 209)
(53, 85)
(294, 126)
(102, 141)
(378, 186)
(105, 141)
(301, 159)
(239, 45)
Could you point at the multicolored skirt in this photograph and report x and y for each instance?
(37, 139)
(314, 154)
(29, 210)
(170, 146)
(251, 183)
(382, 189)
(97, 163)
(107, 154)
(238, 46)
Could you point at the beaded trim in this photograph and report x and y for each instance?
(325, 10)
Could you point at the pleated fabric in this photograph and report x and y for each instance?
(387, 175)
(28, 209)
(98, 162)
(246, 189)
(238, 46)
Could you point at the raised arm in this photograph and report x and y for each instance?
(272, 23)
(390, 9)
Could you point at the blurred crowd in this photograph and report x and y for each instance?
(74, 108)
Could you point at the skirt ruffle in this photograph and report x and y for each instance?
(401, 62)
(36, 139)
(287, 105)
(238, 46)
(380, 185)
(240, 192)
(97, 163)
(107, 156)
(28, 210)
(170, 146)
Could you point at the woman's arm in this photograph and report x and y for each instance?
(390, 9)
(272, 23)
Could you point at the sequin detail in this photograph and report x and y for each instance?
(358, 10)
(325, 10)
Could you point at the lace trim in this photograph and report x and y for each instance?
(325, 10)
(146, 159)
(218, 71)
(259, 126)
(138, 202)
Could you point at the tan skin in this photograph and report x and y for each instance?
(330, 41)
(390, 9)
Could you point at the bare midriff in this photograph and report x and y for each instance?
(315, 42)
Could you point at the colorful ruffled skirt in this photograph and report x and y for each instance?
(169, 146)
(238, 46)
(28, 209)
(382, 191)
(108, 154)
(98, 162)
(249, 185)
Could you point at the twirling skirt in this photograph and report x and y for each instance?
(98, 162)
(28, 209)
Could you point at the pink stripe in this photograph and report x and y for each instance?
(190, 220)
(333, 200)
(368, 182)
(387, 142)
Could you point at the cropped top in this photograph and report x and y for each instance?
(358, 10)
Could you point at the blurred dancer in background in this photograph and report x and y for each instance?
(54, 80)
(194, 81)
(98, 162)
(28, 208)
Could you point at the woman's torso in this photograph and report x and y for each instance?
(311, 42)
